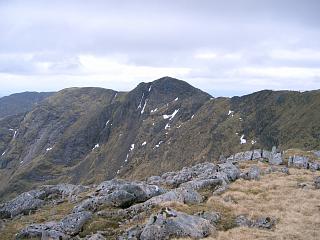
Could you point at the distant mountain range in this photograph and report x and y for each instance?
(20, 102)
(87, 135)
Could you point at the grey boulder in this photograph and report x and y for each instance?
(169, 223)
(314, 166)
(212, 217)
(243, 156)
(68, 226)
(262, 222)
(42, 231)
(96, 236)
(119, 193)
(276, 159)
(298, 161)
(23, 204)
(203, 184)
(229, 171)
(252, 174)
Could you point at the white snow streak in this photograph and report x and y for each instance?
(144, 106)
(132, 147)
(158, 145)
(140, 104)
(171, 116)
(154, 110)
(231, 113)
(96, 146)
(144, 143)
(243, 140)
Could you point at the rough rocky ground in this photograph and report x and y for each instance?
(233, 199)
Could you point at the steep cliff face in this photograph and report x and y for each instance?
(87, 135)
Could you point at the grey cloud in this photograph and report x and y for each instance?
(157, 34)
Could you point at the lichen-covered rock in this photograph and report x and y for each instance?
(298, 161)
(266, 154)
(275, 159)
(262, 222)
(273, 169)
(201, 184)
(140, 190)
(212, 217)
(42, 231)
(317, 153)
(256, 154)
(229, 171)
(68, 226)
(64, 190)
(132, 233)
(182, 195)
(169, 223)
(174, 179)
(22, 204)
(118, 198)
(32, 200)
(96, 236)
(243, 156)
(314, 166)
(72, 223)
(119, 193)
(252, 174)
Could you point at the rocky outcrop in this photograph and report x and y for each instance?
(32, 200)
(181, 195)
(169, 223)
(23, 204)
(67, 227)
(131, 203)
(119, 193)
(198, 176)
(274, 157)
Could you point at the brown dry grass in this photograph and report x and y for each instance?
(277, 195)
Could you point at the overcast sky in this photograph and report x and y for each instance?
(226, 47)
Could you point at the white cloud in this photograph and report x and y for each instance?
(299, 54)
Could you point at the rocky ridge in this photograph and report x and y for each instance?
(138, 208)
